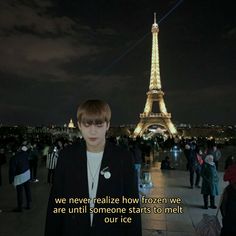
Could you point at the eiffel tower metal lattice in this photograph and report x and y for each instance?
(155, 94)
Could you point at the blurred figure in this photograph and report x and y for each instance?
(2, 162)
(137, 156)
(124, 142)
(215, 152)
(33, 162)
(60, 145)
(200, 156)
(230, 172)
(229, 161)
(19, 176)
(45, 152)
(147, 149)
(194, 166)
(210, 181)
(52, 162)
(165, 164)
(228, 204)
(187, 154)
(217, 155)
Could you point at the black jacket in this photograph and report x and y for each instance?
(71, 181)
(228, 210)
(18, 165)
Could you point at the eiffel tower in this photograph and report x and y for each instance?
(155, 94)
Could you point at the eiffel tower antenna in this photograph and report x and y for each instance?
(115, 61)
(155, 94)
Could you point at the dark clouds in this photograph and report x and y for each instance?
(55, 54)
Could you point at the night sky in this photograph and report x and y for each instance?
(56, 54)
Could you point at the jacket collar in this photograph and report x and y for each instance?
(82, 162)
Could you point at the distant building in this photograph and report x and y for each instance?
(71, 124)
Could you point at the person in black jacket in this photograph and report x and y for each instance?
(194, 166)
(19, 176)
(228, 210)
(94, 180)
(2, 162)
(228, 204)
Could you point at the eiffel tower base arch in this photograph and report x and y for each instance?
(149, 121)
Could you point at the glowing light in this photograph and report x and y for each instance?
(162, 106)
(71, 124)
(155, 94)
(155, 81)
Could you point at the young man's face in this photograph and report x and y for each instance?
(94, 133)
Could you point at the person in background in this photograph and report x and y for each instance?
(228, 204)
(165, 164)
(33, 162)
(210, 181)
(230, 172)
(19, 176)
(137, 155)
(229, 161)
(194, 166)
(187, 154)
(2, 162)
(217, 155)
(51, 162)
(60, 145)
(215, 152)
(45, 151)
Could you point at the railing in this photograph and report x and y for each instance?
(164, 115)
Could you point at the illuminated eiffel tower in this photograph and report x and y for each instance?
(155, 94)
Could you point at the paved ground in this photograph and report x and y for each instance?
(169, 184)
(166, 184)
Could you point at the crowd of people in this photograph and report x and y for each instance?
(202, 164)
